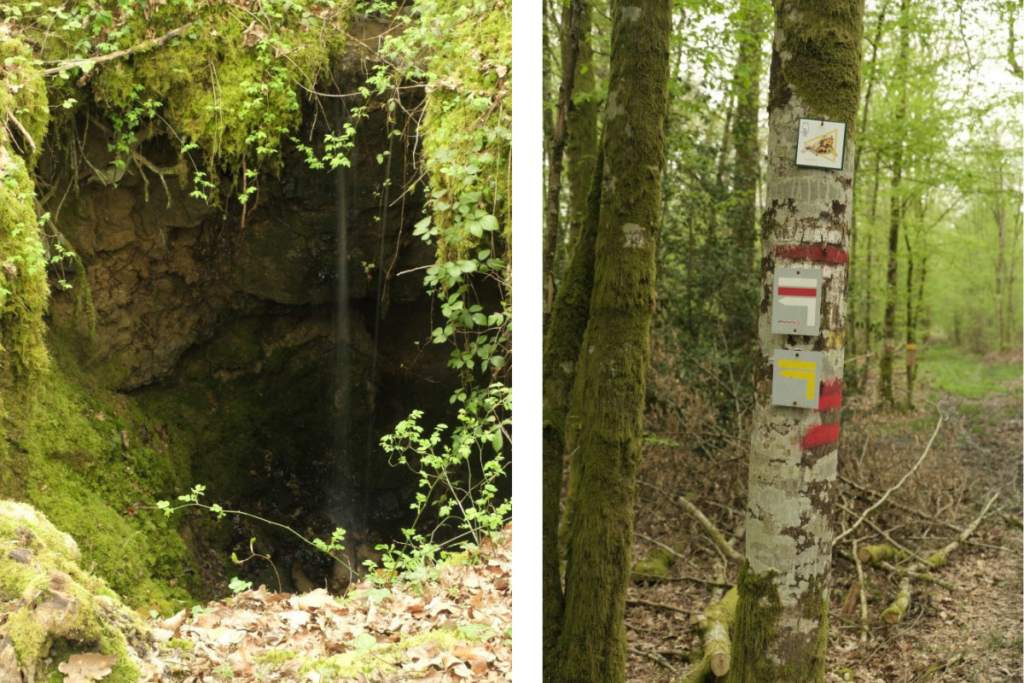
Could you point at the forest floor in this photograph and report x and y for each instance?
(454, 625)
(972, 633)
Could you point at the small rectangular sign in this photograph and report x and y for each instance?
(796, 378)
(821, 144)
(796, 301)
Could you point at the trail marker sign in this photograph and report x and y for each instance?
(796, 301)
(796, 378)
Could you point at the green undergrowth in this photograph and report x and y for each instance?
(969, 375)
(224, 81)
(81, 613)
(79, 454)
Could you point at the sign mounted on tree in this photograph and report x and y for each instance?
(795, 378)
(796, 300)
(821, 144)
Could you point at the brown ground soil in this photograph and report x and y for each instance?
(972, 634)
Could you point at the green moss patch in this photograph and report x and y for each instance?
(55, 609)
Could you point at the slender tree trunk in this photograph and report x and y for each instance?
(853, 290)
(911, 348)
(869, 340)
(746, 172)
(608, 396)
(570, 42)
(781, 628)
(561, 349)
(581, 146)
(895, 213)
(1000, 216)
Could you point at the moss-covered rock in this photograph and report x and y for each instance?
(53, 604)
(90, 460)
(653, 568)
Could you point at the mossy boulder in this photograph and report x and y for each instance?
(53, 607)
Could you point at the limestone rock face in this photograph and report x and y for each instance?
(165, 272)
(51, 604)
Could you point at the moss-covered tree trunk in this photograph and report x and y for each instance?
(552, 202)
(746, 172)
(561, 349)
(581, 147)
(895, 215)
(781, 627)
(608, 396)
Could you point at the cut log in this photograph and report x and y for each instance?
(715, 625)
(894, 612)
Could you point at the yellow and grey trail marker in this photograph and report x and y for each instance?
(796, 376)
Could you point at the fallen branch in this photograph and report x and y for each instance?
(939, 557)
(923, 577)
(654, 657)
(900, 506)
(716, 536)
(658, 605)
(894, 611)
(864, 628)
(715, 624)
(898, 484)
(67, 65)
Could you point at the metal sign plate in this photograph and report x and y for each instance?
(821, 144)
(796, 301)
(796, 377)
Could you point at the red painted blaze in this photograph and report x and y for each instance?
(831, 395)
(797, 291)
(819, 435)
(811, 252)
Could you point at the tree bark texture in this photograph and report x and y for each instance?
(581, 145)
(608, 396)
(561, 349)
(781, 628)
(552, 203)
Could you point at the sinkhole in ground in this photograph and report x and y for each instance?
(268, 357)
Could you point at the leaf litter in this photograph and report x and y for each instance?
(453, 629)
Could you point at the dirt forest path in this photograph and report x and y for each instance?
(972, 633)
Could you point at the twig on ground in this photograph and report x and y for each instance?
(898, 484)
(863, 597)
(658, 605)
(654, 657)
(900, 506)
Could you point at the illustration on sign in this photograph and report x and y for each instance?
(795, 378)
(821, 144)
(796, 300)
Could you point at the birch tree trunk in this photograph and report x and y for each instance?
(781, 627)
(608, 396)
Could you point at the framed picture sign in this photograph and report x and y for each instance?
(821, 144)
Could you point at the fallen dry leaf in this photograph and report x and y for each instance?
(88, 667)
